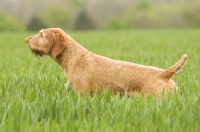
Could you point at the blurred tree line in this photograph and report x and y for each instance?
(22, 15)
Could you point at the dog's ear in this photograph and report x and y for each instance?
(58, 44)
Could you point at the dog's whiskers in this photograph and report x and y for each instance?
(38, 53)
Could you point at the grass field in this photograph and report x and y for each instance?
(33, 98)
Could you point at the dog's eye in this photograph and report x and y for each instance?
(41, 34)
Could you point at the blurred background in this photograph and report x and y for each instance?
(22, 15)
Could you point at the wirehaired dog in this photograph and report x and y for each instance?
(87, 71)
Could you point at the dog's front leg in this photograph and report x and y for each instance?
(67, 85)
(68, 81)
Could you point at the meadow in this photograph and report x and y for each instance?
(33, 98)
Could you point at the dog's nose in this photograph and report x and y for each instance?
(26, 40)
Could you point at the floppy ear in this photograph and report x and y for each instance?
(58, 44)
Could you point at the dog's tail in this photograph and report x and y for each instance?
(168, 73)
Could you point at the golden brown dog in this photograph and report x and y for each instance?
(87, 71)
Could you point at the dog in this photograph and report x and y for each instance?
(87, 71)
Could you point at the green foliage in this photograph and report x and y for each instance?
(143, 5)
(192, 15)
(76, 2)
(83, 22)
(36, 24)
(117, 23)
(56, 17)
(146, 15)
(8, 23)
(33, 98)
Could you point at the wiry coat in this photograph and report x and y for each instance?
(87, 71)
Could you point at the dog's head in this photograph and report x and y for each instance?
(50, 41)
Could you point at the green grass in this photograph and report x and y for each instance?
(33, 98)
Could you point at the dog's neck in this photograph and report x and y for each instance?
(70, 55)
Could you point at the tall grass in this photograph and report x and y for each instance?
(33, 98)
